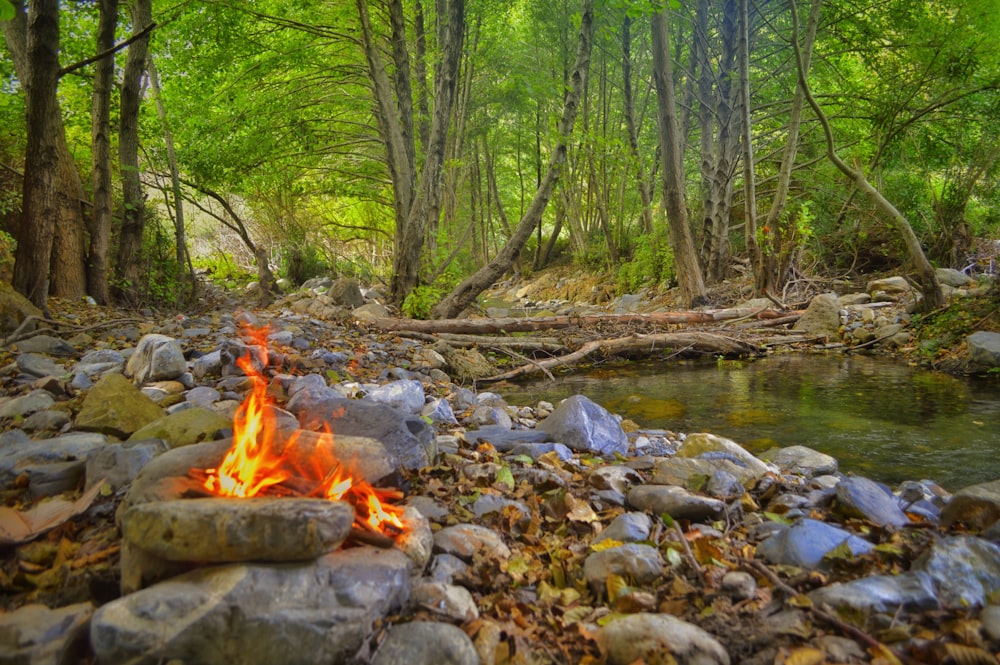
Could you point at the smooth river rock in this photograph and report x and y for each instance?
(807, 541)
(860, 497)
(586, 426)
(233, 530)
(114, 406)
(677, 502)
(426, 643)
(659, 638)
(976, 506)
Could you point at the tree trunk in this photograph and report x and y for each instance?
(645, 197)
(40, 207)
(746, 130)
(180, 245)
(65, 273)
(719, 195)
(776, 259)
(100, 138)
(463, 294)
(926, 278)
(130, 274)
(426, 203)
(689, 277)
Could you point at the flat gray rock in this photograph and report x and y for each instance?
(910, 591)
(426, 643)
(307, 614)
(257, 529)
(806, 542)
(860, 497)
(25, 405)
(801, 460)
(677, 502)
(466, 540)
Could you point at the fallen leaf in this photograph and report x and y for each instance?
(21, 526)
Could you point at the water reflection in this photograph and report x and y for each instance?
(880, 418)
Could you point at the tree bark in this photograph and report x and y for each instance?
(776, 259)
(128, 266)
(463, 294)
(180, 244)
(689, 277)
(722, 168)
(100, 138)
(746, 130)
(926, 279)
(645, 197)
(64, 274)
(40, 207)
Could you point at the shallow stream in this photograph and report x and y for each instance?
(879, 418)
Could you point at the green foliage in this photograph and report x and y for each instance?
(300, 263)
(419, 302)
(652, 263)
(222, 270)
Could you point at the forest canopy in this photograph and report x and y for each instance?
(434, 147)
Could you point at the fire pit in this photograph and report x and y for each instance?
(269, 494)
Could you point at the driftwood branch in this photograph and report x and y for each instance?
(544, 344)
(511, 325)
(633, 344)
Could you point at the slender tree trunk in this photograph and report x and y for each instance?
(746, 130)
(689, 277)
(100, 137)
(40, 207)
(775, 258)
(180, 244)
(420, 72)
(719, 197)
(633, 133)
(129, 261)
(926, 278)
(427, 204)
(463, 294)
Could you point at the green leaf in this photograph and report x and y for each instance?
(524, 459)
(667, 520)
(505, 477)
(673, 557)
(6, 10)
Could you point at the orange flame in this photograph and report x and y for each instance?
(258, 460)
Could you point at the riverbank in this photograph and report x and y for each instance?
(536, 533)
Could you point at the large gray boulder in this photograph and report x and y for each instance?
(822, 316)
(316, 613)
(585, 426)
(156, 358)
(984, 348)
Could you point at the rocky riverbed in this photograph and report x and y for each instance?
(543, 533)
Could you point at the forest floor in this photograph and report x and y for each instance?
(79, 559)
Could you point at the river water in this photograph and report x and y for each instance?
(880, 418)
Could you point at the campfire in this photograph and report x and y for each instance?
(264, 461)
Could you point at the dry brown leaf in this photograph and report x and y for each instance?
(21, 526)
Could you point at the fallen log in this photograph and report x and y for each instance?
(510, 325)
(694, 341)
(543, 344)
